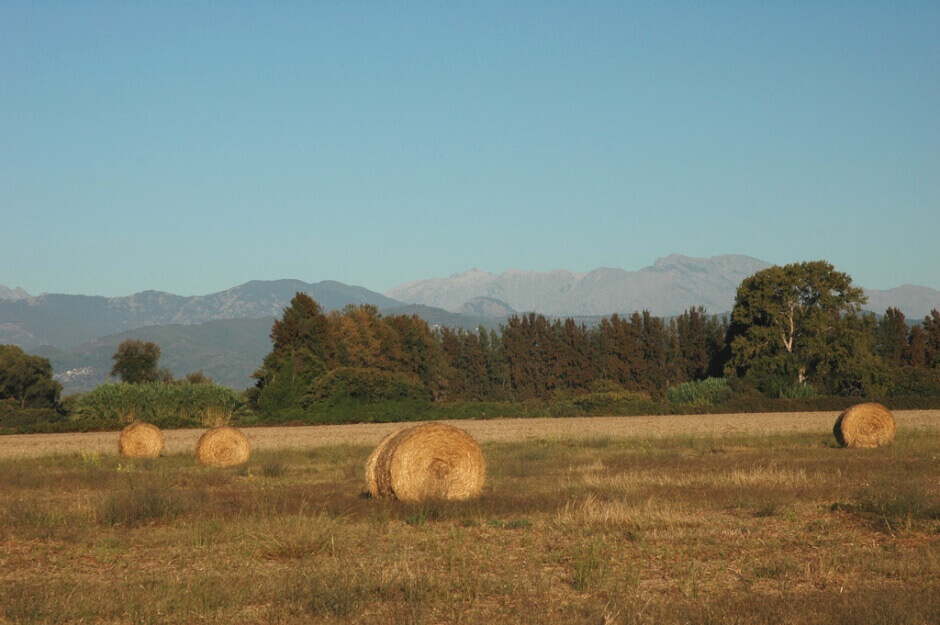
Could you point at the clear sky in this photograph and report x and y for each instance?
(192, 146)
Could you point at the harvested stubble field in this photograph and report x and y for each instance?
(634, 523)
(484, 431)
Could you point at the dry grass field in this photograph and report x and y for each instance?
(704, 519)
(484, 431)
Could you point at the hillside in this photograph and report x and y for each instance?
(227, 350)
(66, 321)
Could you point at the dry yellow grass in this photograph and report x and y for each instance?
(622, 530)
(486, 431)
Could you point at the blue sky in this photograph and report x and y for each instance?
(190, 147)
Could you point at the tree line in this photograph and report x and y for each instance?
(794, 330)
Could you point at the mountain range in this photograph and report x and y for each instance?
(225, 334)
(666, 288)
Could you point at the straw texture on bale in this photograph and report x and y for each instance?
(222, 447)
(865, 425)
(430, 461)
(140, 440)
(372, 481)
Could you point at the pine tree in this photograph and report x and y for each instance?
(932, 338)
(915, 355)
(891, 337)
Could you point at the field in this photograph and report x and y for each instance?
(704, 519)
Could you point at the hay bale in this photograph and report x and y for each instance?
(430, 461)
(372, 478)
(140, 440)
(222, 447)
(865, 425)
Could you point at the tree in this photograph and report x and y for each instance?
(784, 318)
(693, 343)
(27, 379)
(300, 344)
(198, 377)
(932, 338)
(891, 342)
(916, 353)
(621, 347)
(135, 362)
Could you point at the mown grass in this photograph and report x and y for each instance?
(745, 529)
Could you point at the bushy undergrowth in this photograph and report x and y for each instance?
(111, 406)
(13, 418)
(164, 405)
(704, 392)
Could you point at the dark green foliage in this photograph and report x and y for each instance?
(301, 342)
(891, 343)
(135, 362)
(13, 418)
(932, 339)
(357, 364)
(708, 391)
(198, 377)
(27, 379)
(915, 353)
(112, 406)
(368, 385)
(800, 321)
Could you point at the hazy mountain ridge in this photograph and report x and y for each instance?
(227, 350)
(666, 288)
(69, 320)
(12, 294)
(915, 302)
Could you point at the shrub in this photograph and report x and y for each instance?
(797, 391)
(701, 392)
(14, 418)
(164, 405)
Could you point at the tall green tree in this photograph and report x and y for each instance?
(135, 362)
(27, 379)
(701, 343)
(300, 344)
(891, 337)
(932, 338)
(621, 345)
(916, 353)
(785, 318)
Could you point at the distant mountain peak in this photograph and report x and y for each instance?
(487, 307)
(672, 284)
(16, 293)
(69, 320)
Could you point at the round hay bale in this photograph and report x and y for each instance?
(430, 461)
(222, 447)
(372, 477)
(865, 425)
(140, 440)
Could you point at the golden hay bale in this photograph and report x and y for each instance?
(372, 479)
(865, 425)
(140, 440)
(222, 447)
(430, 461)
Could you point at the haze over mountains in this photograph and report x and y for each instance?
(666, 288)
(225, 333)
